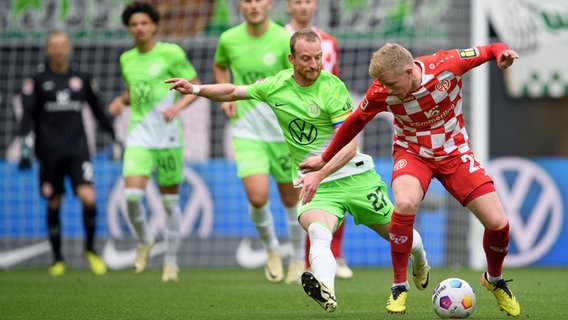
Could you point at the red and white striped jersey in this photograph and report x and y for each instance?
(330, 51)
(429, 121)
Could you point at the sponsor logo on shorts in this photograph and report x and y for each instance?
(400, 164)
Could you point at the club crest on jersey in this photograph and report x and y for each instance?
(269, 59)
(75, 83)
(313, 110)
(155, 69)
(443, 85)
(468, 53)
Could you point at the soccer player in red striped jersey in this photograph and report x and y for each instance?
(302, 17)
(430, 141)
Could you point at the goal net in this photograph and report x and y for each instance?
(216, 227)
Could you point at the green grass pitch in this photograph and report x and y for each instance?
(245, 294)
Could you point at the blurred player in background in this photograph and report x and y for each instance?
(53, 101)
(425, 97)
(252, 50)
(154, 139)
(302, 17)
(310, 106)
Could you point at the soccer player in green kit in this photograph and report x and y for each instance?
(252, 50)
(311, 105)
(154, 140)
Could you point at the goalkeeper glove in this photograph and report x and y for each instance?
(25, 163)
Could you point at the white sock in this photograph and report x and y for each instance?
(171, 234)
(494, 279)
(321, 258)
(264, 224)
(417, 251)
(296, 234)
(137, 214)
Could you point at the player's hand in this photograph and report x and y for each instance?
(310, 185)
(116, 106)
(229, 108)
(170, 114)
(117, 150)
(25, 163)
(312, 164)
(181, 85)
(507, 58)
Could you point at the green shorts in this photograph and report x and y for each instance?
(140, 161)
(260, 157)
(364, 195)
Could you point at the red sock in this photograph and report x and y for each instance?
(337, 240)
(495, 245)
(400, 234)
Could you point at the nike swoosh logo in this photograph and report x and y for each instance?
(279, 104)
(250, 258)
(15, 256)
(121, 259)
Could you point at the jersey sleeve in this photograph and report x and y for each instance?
(221, 56)
(341, 105)
(29, 98)
(259, 89)
(180, 66)
(96, 105)
(373, 102)
(461, 61)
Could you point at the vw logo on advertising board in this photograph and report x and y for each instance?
(534, 206)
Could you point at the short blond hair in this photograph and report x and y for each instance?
(391, 57)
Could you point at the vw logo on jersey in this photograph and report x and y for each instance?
(302, 132)
(142, 92)
(533, 203)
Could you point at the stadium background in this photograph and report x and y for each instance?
(216, 228)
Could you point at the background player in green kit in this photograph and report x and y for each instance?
(154, 138)
(310, 105)
(252, 50)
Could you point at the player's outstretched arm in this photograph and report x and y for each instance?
(217, 92)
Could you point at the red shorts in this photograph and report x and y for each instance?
(463, 177)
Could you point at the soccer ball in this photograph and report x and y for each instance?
(453, 298)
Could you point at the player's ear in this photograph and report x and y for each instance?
(291, 58)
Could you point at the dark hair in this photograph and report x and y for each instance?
(140, 7)
(307, 34)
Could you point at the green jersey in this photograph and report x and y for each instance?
(309, 115)
(250, 59)
(144, 75)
